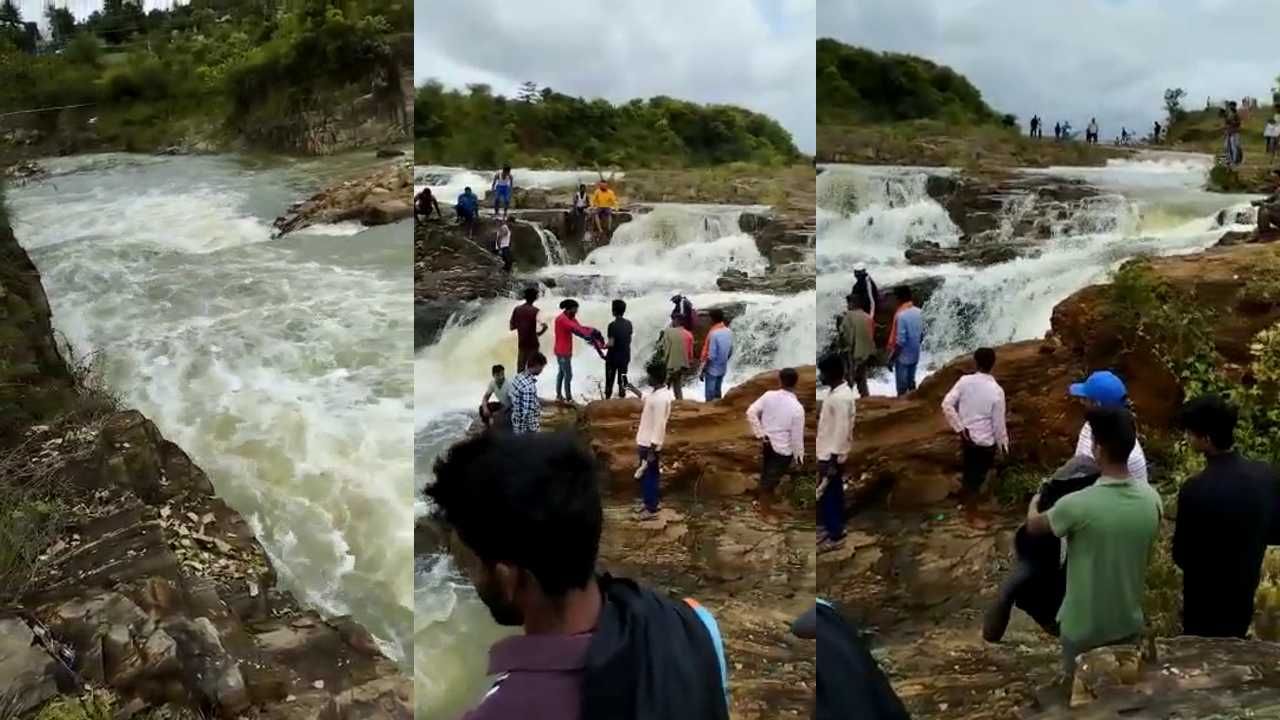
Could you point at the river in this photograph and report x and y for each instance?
(1153, 204)
(667, 249)
(283, 366)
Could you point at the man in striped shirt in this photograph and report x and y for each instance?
(526, 407)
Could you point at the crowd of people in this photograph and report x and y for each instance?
(857, 338)
(1063, 131)
(599, 206)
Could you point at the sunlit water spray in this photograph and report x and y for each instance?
(667, 250)
(1152, 206)
(281, 366)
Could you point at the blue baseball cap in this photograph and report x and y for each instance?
(1102, 387)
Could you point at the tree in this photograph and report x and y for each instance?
(62, 24)
(1173, 103)
(529, 92)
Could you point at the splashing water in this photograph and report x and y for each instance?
(872, 214)
(281, 366)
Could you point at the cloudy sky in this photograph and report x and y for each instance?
(1070, 59)
(754, 53)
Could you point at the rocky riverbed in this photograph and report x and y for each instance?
(918, 571)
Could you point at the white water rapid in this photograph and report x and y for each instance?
(1152, 205)
(282, 366)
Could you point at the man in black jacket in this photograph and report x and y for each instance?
(850, 684)
(527, 511)
(1227, 515)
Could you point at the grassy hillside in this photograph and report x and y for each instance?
(213, 69)
(545, 128)
(893, 109)
(1202, 131)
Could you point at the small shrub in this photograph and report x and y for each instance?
(100, 705)
(1015, 485)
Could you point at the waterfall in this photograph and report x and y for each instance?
(871, 215)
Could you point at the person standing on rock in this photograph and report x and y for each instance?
(1057, 131)
(604, 202)
(684, 307)
(496, 409)
(524, 323)
(777, 421)
(503, 244)
(423, 203)
(566, 326)
(618, 355)
(1091, 132)
(503, 185)
(468, 209)
(578, 210)
(717, 348)
(835, 437)
(905, 338)
(1103, 389)
(675, 347)
(857, 345)
(864, 288)
(974, 408)
(1110, 528)
(1231, 123)
(527, 510)
(1271, 135)
(1155, 133)
(649, 439)
(525, 405)
(1227, 516)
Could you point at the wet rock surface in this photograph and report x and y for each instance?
(380, 197)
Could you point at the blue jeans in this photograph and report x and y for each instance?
(904, 376)
(831, 504)
(564, 376)
(649, 480)
(712, 386)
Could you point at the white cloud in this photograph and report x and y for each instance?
(759, 54)
(1111, 59)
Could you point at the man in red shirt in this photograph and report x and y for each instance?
(524, 322)
(567, 326)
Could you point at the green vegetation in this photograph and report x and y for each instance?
(544, 129)
(858, 86)
(1171, 323)
(211, 69)
(1202, 131)
(888, 108)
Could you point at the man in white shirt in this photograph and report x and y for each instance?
(777, 418)
(649, 439)
(975, 410)
(1106, 390)
(835, 436)
(504, 243)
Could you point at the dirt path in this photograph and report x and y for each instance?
(919, 583)
(754, 573)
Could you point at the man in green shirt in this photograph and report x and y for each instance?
(856, 342)
(1110, 530)
(676, 346)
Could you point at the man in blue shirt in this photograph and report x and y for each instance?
(468, 209)
(717, 348)
(904, 340)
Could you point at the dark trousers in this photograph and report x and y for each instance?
(615, 370)
(506, 258)
(1216, 607)
(649, 481)
(522, 357)
(858, 376)
(831, 504)
(772, 467)
(675, 379)
(978, 460)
